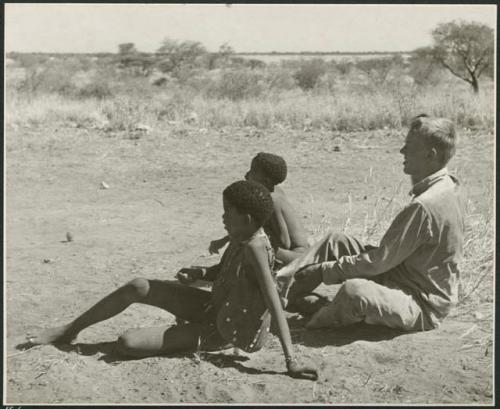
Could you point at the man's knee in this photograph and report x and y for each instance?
(357, 288)
(138, 287)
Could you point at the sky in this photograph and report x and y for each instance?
(31, 27)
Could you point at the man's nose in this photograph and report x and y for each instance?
(246, 175)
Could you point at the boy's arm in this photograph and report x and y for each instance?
(257, 258)
(210, 273)
(278, 226)
(189, 275)
(216, 245)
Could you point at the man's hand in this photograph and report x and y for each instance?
(306, 280)
(301, 372)
(189, 275)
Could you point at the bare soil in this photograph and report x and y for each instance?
(162, 208)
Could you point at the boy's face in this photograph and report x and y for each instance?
(256, 175)
(238, 225)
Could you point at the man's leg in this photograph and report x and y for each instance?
(183, 301)
(331, 247)
(360, 300)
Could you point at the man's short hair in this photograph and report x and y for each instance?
(250, 198)
(438, 133)
(273, 166)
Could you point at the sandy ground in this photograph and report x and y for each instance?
(162, 208)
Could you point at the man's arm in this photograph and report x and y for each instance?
(409, 230)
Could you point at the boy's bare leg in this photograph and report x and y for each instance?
(182, 301)
(139, 343)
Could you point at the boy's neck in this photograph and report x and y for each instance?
(246, 237)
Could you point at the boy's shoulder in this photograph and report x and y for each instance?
(279, 197)
(258, 242)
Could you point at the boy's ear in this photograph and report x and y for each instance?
(248, 219)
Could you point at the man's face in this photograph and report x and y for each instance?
(417, 155)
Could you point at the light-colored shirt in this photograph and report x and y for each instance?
(420, 252)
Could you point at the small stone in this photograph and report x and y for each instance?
(69, 236)
(142, 128)
(336, 148)
(104, 185)
(478, 315)
(47, 260)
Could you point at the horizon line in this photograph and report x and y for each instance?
(235, 53)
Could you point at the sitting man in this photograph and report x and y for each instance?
(411, 280)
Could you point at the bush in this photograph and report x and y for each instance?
(238, 84)
(309, 73)
(98, 89)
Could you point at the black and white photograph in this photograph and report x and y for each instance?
(249, 204)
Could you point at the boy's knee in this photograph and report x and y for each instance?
(139, 287)
(126, 344)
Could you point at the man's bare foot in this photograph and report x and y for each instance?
(57, 335)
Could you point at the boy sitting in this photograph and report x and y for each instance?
(284, 228)
(237, 312)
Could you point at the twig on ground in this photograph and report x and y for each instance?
(159, 201)
(468, 331)
(23, 351)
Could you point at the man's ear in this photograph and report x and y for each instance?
(433, 154)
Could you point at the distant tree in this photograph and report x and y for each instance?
(423, 68)
(137, 63)
(466, 49)
(308, 74)
(126, 48)
(221, 57)
(378, 69)
(253, 63)
(185, 54)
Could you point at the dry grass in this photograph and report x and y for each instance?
(346, 103)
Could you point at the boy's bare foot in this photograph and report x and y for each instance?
(57, 335)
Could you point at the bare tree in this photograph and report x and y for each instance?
(466, 49)
(127, 48)
(179, 54)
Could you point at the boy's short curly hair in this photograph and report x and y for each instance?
(273, 166)
(251, 198)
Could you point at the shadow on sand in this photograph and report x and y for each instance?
(339, 336)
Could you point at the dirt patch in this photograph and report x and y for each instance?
(160, 211)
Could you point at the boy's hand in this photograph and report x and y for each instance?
(301, 372)
(189, 275)
(216, 245)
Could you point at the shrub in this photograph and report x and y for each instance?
(97, 89)
(309, 73)
(238, 84)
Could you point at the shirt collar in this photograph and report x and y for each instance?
(427, 182)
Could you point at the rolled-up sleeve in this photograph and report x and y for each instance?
(409, 230)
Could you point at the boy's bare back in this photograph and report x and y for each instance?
(285, 228)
